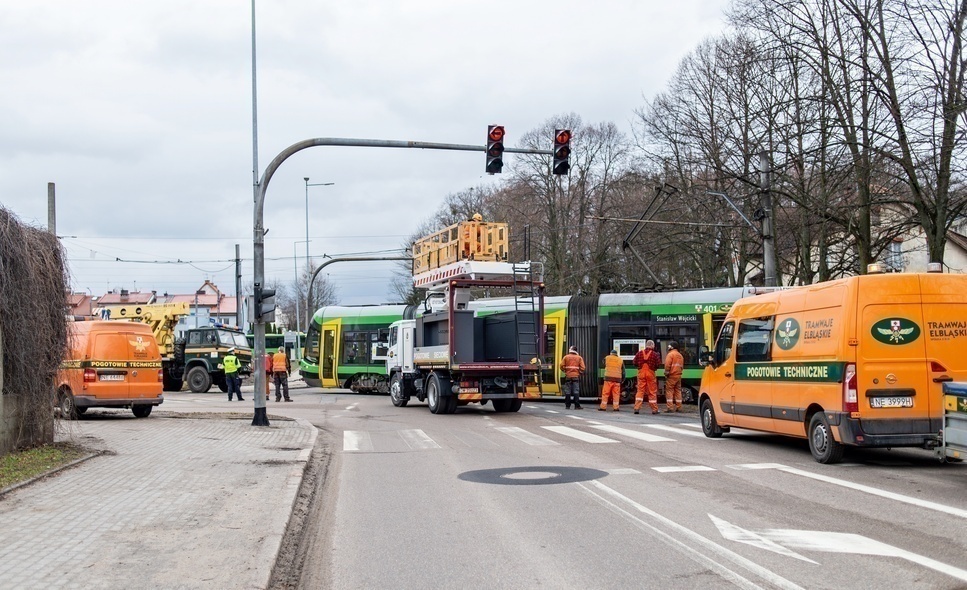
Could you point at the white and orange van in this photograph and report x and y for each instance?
(858, 361)
(110, 364)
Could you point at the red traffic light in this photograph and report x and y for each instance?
(562, 136)
(496, 132)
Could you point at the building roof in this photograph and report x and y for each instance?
(956, 239)
(126, 297)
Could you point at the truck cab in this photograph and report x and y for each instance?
(399, 361)
(204, 349)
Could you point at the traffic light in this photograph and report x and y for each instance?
(562, 151)
(264, 304)
(495, 149)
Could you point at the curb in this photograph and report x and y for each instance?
(45, 474)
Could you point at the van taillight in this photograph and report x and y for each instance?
(161, 375)
(937, 367)
(850, 404)
(90, 375)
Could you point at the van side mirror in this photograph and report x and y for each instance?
(706, 357)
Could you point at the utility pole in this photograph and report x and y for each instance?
(51, 209)
(238, 288)
(768, 237)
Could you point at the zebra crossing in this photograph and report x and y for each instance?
(587, 431)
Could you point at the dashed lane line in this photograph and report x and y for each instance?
(682, 468)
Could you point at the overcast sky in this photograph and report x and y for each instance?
(141, 114)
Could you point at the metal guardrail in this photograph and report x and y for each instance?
(954, 438)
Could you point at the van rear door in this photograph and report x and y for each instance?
(893, 395)
(944, 333)
(144, 362)
(109, 361)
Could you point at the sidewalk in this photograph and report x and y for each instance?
(175, 502)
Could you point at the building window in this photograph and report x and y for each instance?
(894, 256)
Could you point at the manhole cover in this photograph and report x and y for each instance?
(532, 476)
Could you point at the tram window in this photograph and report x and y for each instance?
(354, 348)
(687, 337)
(629, 317)
(630, 332)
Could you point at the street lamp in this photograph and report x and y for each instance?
(295, 268)
(306, 178)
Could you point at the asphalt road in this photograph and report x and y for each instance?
(586, 499)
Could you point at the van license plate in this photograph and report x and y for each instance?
(111, 377)
(891, 402)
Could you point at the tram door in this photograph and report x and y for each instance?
(553, 351)
(328, 356)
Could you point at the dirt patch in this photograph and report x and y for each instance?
(20, 468)
(306, 540)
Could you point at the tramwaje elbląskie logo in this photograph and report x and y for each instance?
(787, 333)
(895, 331)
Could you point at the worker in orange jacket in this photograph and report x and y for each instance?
(674, 364)
(647, 361)
(614, 370)
(267, 361)
(573, 367)
(280, 370)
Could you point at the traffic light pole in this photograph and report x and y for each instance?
(258, 239)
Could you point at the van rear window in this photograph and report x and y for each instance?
(754, 340)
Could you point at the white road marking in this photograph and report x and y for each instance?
(527, 437)
(580, 435)
(632, 433)
(553, 412)
(356, 440)
(779, 541)
(690, 424)
(577, 417)
(622, 471)
(735, 533)
(352, 407)
(682, 468)
(698, 548)
(858, 487)
(531, 407)
(417, 439)
(678, 430)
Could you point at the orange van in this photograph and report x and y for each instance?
(858, 361)
(110, 365)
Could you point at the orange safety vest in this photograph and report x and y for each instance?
(614, 368)
(279, 362)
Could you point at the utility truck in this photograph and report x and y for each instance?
(196, 354)
(452, 355)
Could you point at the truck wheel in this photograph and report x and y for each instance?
(823, 446)
(199, 381)
(515, 405)
(141, 410)
(68, 410)
(502, 405)
(451, 404)
(396, 391)
(222, 385)
(170, 383)
(434, 399)
(709, 426)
